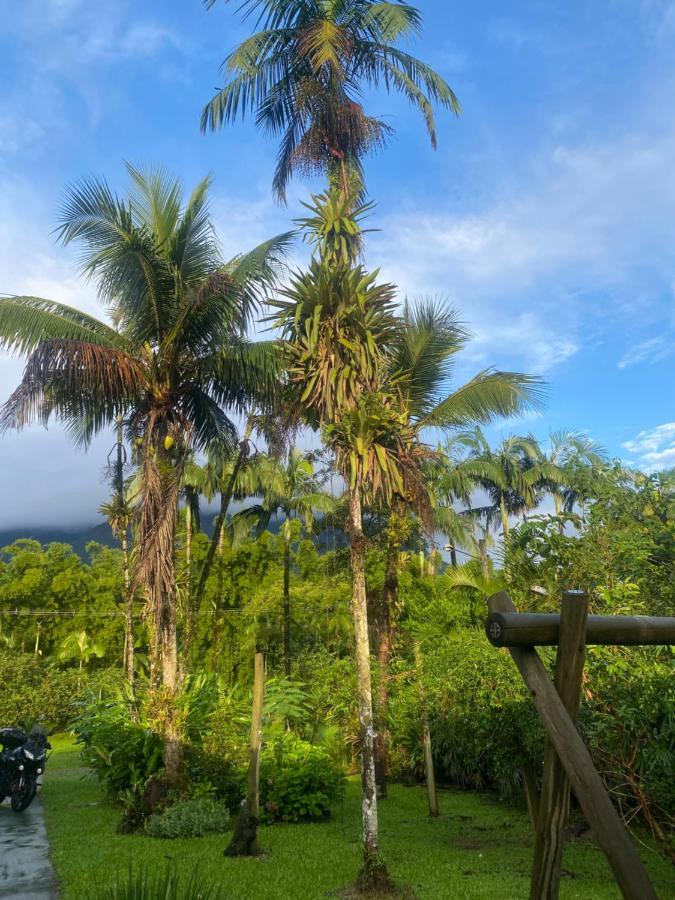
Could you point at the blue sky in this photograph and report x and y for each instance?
(546, 216)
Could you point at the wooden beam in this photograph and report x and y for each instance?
(629, 872)
(554, 802)
(515, 629)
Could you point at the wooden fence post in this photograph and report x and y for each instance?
(629, 872)
(555, 789)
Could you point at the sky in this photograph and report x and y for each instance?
(545, 217)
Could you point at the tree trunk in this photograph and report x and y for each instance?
(161, 474)
(484, 562)
(128, 610)
(384, 648)
(504, 517)
(245, 838)
(453, 556)
(189, 624)
(373, 873)
(429, 774)
(287, 607)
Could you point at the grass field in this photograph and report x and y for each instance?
(479, 848)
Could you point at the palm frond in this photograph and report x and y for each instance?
(486, 396)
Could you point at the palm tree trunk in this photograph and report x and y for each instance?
(287, 607)
(128, 610)
(384, 648)
(429, 774)
(188, 628)
(504, 516)
(157, 571)
(373, 872)
(453, 556)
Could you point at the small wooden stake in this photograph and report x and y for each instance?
(629, 872)
(555, 789)
(429, 774)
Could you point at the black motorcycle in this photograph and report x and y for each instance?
(22, 761)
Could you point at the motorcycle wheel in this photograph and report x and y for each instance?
(23, 797)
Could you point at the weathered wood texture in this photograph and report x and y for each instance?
(554, 800)
(629, 872)
(543, 630)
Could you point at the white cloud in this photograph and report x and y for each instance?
(650, 351)
(654, 448)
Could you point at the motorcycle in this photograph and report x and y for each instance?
(22, 761)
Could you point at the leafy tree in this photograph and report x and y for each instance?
(177, 359)
(302, 73)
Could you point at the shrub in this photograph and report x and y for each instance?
(123, 753)
(298, 781)
(141, 884)
(33, 691)
(189, 818)
(484, 726)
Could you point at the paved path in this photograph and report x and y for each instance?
(25, 870)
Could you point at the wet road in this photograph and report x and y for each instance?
(25, 870)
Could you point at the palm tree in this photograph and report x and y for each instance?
(422, 363)
(81, 646)
(515, 476)
(302, 73)
(176, 363)
(570, 451)
(288, 489)
(337, 325)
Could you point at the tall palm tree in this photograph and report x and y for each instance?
(337, 325)
(570, 450)
(302, 75)
(516, 476)
(422, 363)
(177, 362)
(288, 488)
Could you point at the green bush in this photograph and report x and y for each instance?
(484, 726)
(628, 719)
(298, 781)
(124, 754)
(34, 691)
(189, 818)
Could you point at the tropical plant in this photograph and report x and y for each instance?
(422, 363)
(573, 451)
(337, 324)
(289, 489)
(80, 646)
(118, 511)
(516, 476)
(302, 72)
(176, 361)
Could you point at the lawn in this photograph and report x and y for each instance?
(478, 848)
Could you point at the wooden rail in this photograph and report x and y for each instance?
(514, 629)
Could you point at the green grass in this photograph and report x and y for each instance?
(479, 848)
